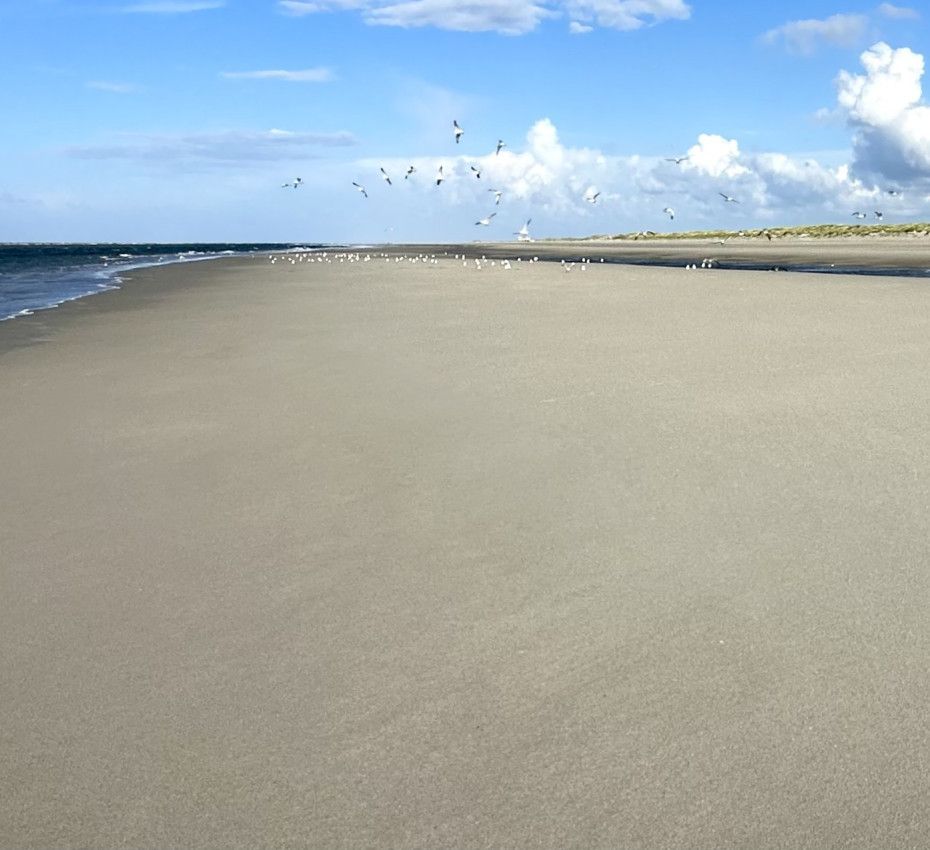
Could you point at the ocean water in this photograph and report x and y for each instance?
(41, 276)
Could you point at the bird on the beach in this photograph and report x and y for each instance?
(440, 176)
(728, 199)
(457, 130)
(859, 215)
(498, 194)
(487, 220)
(879, 215)
(591, 197)
(670, 213)
(410, 171)
(477, 171)
(360, 188)
(523, 234)
(387, 179)
(500, 144)
(678, 160)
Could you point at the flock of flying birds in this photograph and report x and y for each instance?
(523, 234)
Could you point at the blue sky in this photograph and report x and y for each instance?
(178, 120)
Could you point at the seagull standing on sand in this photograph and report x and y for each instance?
(387, 179)
(484, 222)
(500, 144)
(360, 188)
(498, 194)
(477, 171)
(410, 171)
(523, 234)
(440, 176)
(728, 199)
(670, 213)
(458, 131)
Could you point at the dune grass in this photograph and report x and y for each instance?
(812, 231)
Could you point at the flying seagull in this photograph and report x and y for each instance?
(523, 234)
(859, 215)
(457, 130)
(670, 213)
(477, 171)
(500, 144)
(498, 194)
(298, 181)
(439, 176)
(487, 220)
(592, 198)
(727, 199)
(360, 188)
(879, 215)
(387, 179)
(895, 193)
(410, 171)
(678, 160)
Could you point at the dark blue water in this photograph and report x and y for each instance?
(38, 277)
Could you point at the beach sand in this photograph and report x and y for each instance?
(394, 555)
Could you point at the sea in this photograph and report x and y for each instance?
(37, 276)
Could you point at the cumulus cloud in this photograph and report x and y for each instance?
(577, 28)
(223, 147)
(510, 17)
(901, 13)
(890, 121)
(309, 75)
(549, 180)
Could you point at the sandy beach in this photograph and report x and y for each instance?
(394, 555)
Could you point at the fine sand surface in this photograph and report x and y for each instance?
(908, 253)
(388, 555)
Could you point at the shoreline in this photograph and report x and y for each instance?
(887, 257)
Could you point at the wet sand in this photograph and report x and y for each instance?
(394, 555)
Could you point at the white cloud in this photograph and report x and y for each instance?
(576, 28)
(174, 7)
(806, 36)
(113, 88)
(304, 7)
(309, 75)
(628, 14)
(890, 120)
(548, 180)
(715, 156)
(510, 17)
(889, 10)
(505, 16)
(223, 147)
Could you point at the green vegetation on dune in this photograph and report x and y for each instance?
(813, 231)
